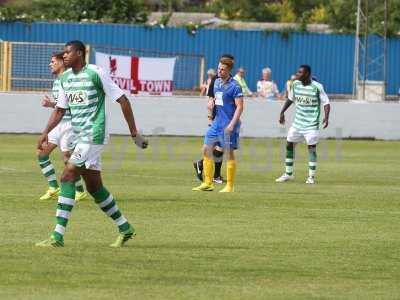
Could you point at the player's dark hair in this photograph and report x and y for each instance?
(227, 55)
(306, 68)
(77, 45)
(58, 55)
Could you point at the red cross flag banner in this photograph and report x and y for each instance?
(139, 75)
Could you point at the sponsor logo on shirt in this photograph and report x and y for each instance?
(78, 97)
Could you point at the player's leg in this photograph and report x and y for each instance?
(48, 171)
(231, 143)
(230, 172)
(218, 154)
(66, 202)
(106, 202)
(208, 170)
(289, 163)
(67, 146)
(198, 169)
(80, 193)
(210, 139)
(312, 138)
(293, 137)
(312, 163)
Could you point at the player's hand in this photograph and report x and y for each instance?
(46, 101)
(140, 141)
(43, 140)
(325, 123)
(229, 129)
(282, 119)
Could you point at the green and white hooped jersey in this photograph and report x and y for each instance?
(55, 92)
(84, 94)
(308, 100)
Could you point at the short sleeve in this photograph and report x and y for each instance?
(111, 89)
(237, 92)
(210, 92)
(323, 97)
(62, 100)
(290, 92)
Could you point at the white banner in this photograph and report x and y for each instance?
(139, 75)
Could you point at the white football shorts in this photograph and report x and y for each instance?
(88, 156)
(62, 135)
(297, 136)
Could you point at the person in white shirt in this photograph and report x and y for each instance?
(266, 88)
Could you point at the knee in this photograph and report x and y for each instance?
(207, 151)
(69, 174)
(289, 146)
(231, 155)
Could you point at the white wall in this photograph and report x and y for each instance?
(179, 115)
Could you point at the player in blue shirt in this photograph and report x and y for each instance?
(225, 127)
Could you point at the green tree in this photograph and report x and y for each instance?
(116, 11)
(251, 10)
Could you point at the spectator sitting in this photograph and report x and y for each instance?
(206, 85)
(266, 88)
(239, 77)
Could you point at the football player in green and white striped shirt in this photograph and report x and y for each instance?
(83, 91)
(61, 136)
(308, 96)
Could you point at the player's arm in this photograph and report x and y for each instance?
(327, 110)
(238, 113)
(130, 120)
(116, 94)
(210, 109)
(283, 110)
(211, 101)
(327, 106)
(54, 119)
(288, 102)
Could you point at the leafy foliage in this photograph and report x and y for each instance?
(339, 14)
(114, 11)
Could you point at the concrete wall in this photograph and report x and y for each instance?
(22, 112)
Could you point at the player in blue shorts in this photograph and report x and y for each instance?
(225, 127)
(218, 149)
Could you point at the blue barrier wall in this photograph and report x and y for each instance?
(330, 55)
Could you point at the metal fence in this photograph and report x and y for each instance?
(24, 66)
(30, 66)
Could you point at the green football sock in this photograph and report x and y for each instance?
(312, 162)
(289, 161)
(106, 202)
(66, 202)
(48, 170)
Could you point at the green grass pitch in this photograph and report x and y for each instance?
(339, 239)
